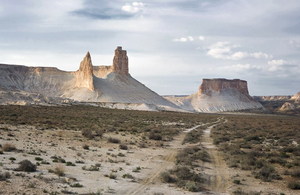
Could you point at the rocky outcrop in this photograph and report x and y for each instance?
(219, 85)
(98, 84)
(287, 106)
(84, 76)
(120, 65)
(120, 62)
(296, 97)
(218, 95)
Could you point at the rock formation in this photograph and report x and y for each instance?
(84, 76)
(219, 85)
(112, 85)
(296, 97)
(120, 62)
(218, 95)
(119, 66)
(287, 106)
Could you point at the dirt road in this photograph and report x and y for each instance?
(219, 170)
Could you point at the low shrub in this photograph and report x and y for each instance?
(112, 176)
(123, 147)
(4, 176)
(155, 135)
(167, 177)
(295, 185)
(38, 158)
(70, 164)
(192, 186)
(8, 147)
(26, 166)
(76, 185)
(267, 173)
(91, 168)
(127, 175)
(58, 170)
(86, 147)
(113, 140)
(87, 133)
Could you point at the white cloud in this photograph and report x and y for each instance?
(238, 55)
(224, 50)
(241, 67)
(201, 38)
(277, 62)
(189, 39)
(182, 39)
(260, 55)
(221, 50)
(276, 65)
(134, 7)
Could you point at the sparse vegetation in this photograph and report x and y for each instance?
(92, 167)
(262, 144)
(123, 147)
(26, 166)
(266, 146)
(113, 140)
(86, 147)
(295, 185)
(76, 185)
(87, 133)
(4, 176)
(137, 169)
(70, 164)
(58, 159)
(127, 175)
(7, 147)
(58, 170)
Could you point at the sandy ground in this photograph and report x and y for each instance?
(144, 165)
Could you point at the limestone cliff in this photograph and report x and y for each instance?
(84, 76)
(112, 85)
(219, 85)
(218, 95)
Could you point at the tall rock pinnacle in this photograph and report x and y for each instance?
(120, 62)
(84, 76)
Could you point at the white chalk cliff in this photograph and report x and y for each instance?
(218, 95)
(113, 87)
(114, 84)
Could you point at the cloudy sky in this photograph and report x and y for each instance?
(172, 44)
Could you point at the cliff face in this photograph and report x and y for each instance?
(219, 85)
(120, 62)
(218, 95)
(106, 84)
(84, 76)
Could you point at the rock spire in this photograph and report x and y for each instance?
(84, 76)
(120, 62)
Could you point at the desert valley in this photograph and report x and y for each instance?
(98, 130)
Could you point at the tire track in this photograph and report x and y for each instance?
(169, 159)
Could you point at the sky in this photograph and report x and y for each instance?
(171, 44)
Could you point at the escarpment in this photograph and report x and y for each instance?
(105, 84)
(221, 85)
(218, 95)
